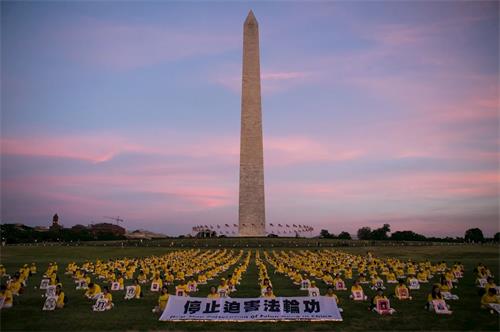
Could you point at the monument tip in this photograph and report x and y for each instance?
(250, 18)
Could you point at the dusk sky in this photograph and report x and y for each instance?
(373, 112)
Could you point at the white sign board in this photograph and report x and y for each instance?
(44, 283)
(155, 287)
(50, 303)
(440, 307)
(180, 308)
(50, 291)
(100, 304)
(130, 292)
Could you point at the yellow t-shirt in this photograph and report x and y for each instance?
(7, 294)
(60, 300)
(356, 288)
(444, 288)
(108, 297)
(137, 291)
(333, 297)
(487, 299)
(91, 292)
(213, 296)
(162, 301)
(430, 298)
(14, 287)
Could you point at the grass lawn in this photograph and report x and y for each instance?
(27, 312)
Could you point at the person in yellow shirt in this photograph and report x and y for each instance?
(142, 277)
(490, 283)
(60, 297)
(108, 297)
(162, 300)
(330, 294)
(378, 296)
(338, 282)
(434, 295)
(489, 298)
(33, 269)
(181, 289)
(265, 283)
(138, 290)
(7, 295)
(401, 291)
(93, 291)
(158, 280)
(192, 286)
(356, 287)
(15, 285)
(268, 294)
(223, 288)
(119, 279)
(213, 294)
(422, 276)
(377, 282)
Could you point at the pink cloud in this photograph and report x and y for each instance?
(272, 80)
(416, 185)
(100, 148)
(95, 149)
(282, 151)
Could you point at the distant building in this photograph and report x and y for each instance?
(79, 228)
(55, 224)
(107, 228)
(144, 234)
(41, 229)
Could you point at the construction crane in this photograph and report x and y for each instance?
(117, 219)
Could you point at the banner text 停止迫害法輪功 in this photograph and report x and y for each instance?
(180, 308)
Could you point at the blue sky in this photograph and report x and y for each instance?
(373, 112)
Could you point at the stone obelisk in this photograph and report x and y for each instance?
(252, 213)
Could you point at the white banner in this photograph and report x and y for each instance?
(320, 308)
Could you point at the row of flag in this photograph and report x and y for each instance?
(298, 228)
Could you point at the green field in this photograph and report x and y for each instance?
(27, 312)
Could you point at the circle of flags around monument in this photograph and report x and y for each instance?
(232, 229)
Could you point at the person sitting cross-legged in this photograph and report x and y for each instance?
(108, 297)
(313, 290)
(380, 296)
(7, 295)
(93, 291)
(331, 295)
(357, 292)
(60, 297)
(489, 298)
(269, 293)
(162, 300)
(401, 291)
(213, 294)
(434, 295)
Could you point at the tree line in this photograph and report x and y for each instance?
(472, 235)
(12, 233)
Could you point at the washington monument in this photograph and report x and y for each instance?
(252, 212)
